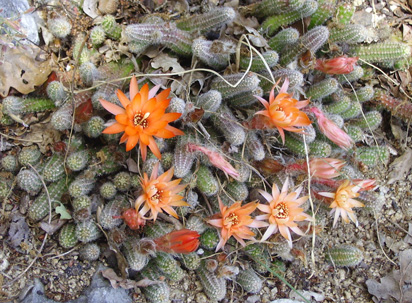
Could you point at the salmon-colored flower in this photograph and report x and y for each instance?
(132, 218)
(182, 241)
(159, 194)
(142, 117)
(327, 168)
(282, 112)
(282, 212)
(331, 130)
(216, 159)
(343, 201)
(336, 66)
(235, 221)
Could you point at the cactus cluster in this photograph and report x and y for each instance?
(237, 153)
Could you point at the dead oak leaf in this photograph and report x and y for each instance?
(23, 67)
(117, 281)
(400, 167)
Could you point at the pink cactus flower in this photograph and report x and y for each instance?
(336, 66)
(216, 159)
(331, 130)
(326, 168)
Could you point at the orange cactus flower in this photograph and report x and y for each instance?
(235, 221)
(282, 112)
(343, 201)
(282, 212)
(159, 194)
(336, 66)
(327, 168)
(182, 241)
(142, 117)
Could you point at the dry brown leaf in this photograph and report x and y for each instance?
(117, 281)
(42, 135)
(24, 68)
(53, 226)
(400, 167)
(166, 63)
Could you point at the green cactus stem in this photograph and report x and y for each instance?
(249, 281)
(55, 91)
(206, 181)
(371, 121)
(344, 255)
(214, 287)
(54, 168)
(111, 28)
(215, 53)
(363, 94)
(260, 257)
(354, 111)
(89, 252)
(169, 266)
(349, 34)
(87, 231)
(326, 9)
(209, 239)
(353, 76)
(285, 37)
(113, 209)
(249, 83)
(322, 89)
(372, 156)
(340, 106)
(344, 12)
(135, 259)
(227, 123)
(67, 236)
(319, 148)
(271, 58)
(381, 51)
(355, 132)
(16, 105)
(274, 7)
(210, 102)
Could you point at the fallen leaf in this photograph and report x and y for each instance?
(53, 226)
(23, 67)
(167, 63)
(19, 230)
(400, 167)
(117, 281)
(42, 135)
(90, 8)
(62, 211)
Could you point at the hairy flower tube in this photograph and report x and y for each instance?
(281, 112)
(235, 221)
(142, 118)
(216, 159)
(159, 194)
(343, 201)
(132, 218)
(283, 212)
(336, 66)
(182, 241)
(331, 130)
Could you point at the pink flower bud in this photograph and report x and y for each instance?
(216, 159)
(331, 130)
(336, 66)
(327, 168)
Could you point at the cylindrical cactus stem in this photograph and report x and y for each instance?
(344, 12)
(344, 255)
(201, 24)
(157, 230)
(55, 91)
(209, 101)
(209, 239)
(9, 163)
(285, 37)
(227, 123)
(90, 252)
(274, 7)
(16, 105)
(87, 231)
(326, 9)
(373, 201)
(249, 280)
(363, 94)
(77, 161)
(97, 35)
(40, 207)
(135, 259)
(67, 236)
(169, 266)
(155, 293)
(249, 82)
(191, 260)
(322, 89)
(29, 155)
(260, 257)
(371, 121)
(113, 209)
(254, 146)
(398, 108)
(308, 131)
(272, 24)
(355, 132)
(177, 105)
(196, 223)
(237, 190)
(338, 107)
(246, 99)
(88, 73)
(320, 149)
(354, 75)
(206, 181)
(295, 79)
(349, 34)
(294, 145)
(54, 168)
(215, 53)
(311, 41)
(29, 181)
(354, 111)
(381, 51)
(270, 57)
(372, 156)
(122, 181)
(111, 28)
(94, 127)
(62, 118)
(59, 27)
(81, 203)
(81, 186)
(214, 287)
(183, 159)
(137, 47)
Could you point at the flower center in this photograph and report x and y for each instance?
(281, 211)
(140, 119)
(342, 198)
(157, 196)
(231, 220)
